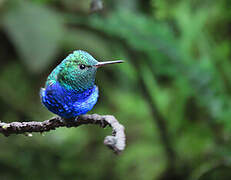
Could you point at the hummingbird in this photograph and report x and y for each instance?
(70, 88)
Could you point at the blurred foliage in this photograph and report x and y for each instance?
(173, 94)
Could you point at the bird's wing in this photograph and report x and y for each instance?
(42, 92)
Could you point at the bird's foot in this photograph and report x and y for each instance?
(70, 121)
(76, 118)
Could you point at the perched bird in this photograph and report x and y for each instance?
(70, 89)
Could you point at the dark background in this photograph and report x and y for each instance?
(172, 94)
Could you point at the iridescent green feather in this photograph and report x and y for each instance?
(70, 76)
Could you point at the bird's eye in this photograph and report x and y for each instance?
(82, 66)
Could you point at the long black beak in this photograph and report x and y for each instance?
(99, 64)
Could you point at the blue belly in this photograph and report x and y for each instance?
(68, 103)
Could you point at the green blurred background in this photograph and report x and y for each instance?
(172, 94)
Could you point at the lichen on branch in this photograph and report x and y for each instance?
(116, 141)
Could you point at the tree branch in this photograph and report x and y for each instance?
(116, 142)
(96, 5)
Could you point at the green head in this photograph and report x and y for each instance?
(77, 71)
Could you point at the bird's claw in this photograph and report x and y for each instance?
(76, 118)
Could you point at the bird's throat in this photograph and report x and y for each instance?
(78, 85)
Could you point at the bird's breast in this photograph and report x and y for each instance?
(68, 103)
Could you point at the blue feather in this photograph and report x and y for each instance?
(68, 103)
